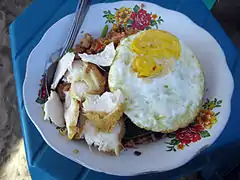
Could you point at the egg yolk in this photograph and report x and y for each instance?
(146, 66)
(155, 51)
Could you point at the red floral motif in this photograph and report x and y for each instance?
(189, 134)
(198, 129)
(136, 17)
(141, 19)
(42, 92)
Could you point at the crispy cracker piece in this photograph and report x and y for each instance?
(79, 90)
(88, 73)
(106, 142)
(104, 111)
(53, 109)
(62, 67)
(71, 115)
(104, 58)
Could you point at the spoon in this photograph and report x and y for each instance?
(51, 65)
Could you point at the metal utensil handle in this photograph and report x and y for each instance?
(82, 8)
(70, 34)
(80, 18)
(73, 26)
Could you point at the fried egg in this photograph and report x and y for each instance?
(161, 79)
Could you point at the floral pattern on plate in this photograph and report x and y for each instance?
(136, 17)
(198, 129)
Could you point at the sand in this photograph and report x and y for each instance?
(12, 155)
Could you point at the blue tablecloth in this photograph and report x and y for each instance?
(44, 163)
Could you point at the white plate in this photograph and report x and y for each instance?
(154, 157)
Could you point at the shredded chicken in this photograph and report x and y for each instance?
(86, 41)
(97, 45)
(61, 89)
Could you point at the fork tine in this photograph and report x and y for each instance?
(70, 34)
(81, 10)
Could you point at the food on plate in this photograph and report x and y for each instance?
(71, 115)
(79, 89)
(103, 58)
(61, 90)
(81, 71)
(62, 67)
(53, 109)
(126, 88)
(161, 79)
(105, 141)
(104, 111)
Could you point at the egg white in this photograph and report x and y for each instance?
(164, 103)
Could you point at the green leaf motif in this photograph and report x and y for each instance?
(149, 27)
(171, 148)
(175, 142)
(136, 8)
(109, 16)
(130, 21)
(153, 22)
(104, 31)
(204, 134)
(40, 100)
(217, 113)
(160, 20)
(219, 102)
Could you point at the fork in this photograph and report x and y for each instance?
(51, 65)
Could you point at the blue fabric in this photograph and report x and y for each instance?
(44, 163)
